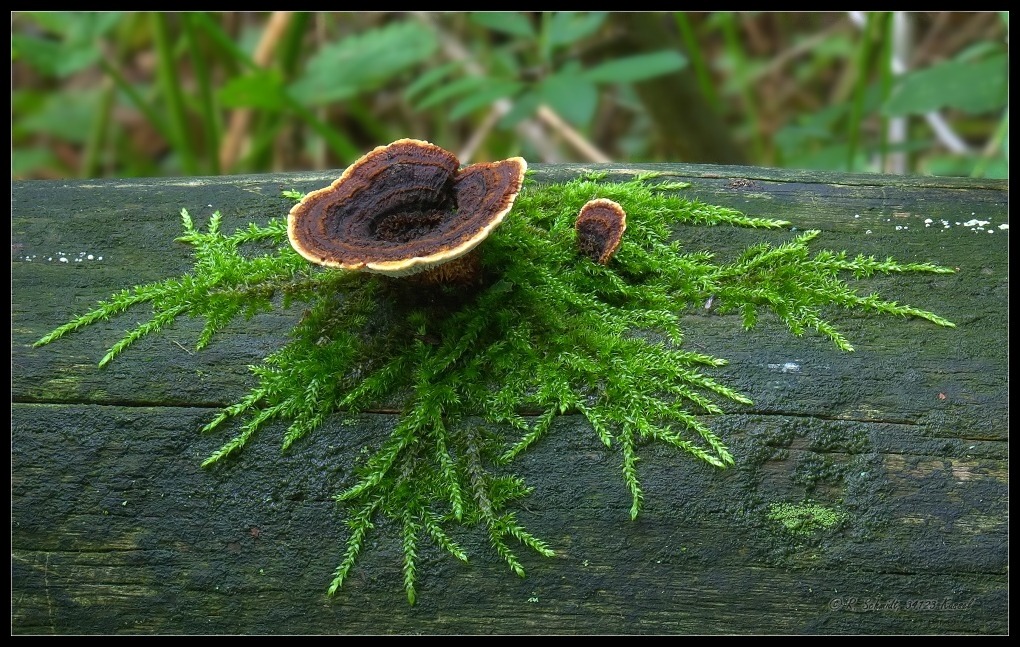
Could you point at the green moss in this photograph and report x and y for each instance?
(805, 518)
(546, 332)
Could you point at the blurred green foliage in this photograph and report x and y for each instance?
(128, 94)
(362, 63)
(973, 85)
(559, 81)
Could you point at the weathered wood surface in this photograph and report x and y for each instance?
(116, 528)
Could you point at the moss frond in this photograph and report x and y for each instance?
(224, 284)
(359, 523)
(410, 554)
(546, 333)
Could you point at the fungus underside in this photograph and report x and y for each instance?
(547, 332)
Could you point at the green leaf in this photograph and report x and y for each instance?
(971, 86)
(571, 95)
(86, 27)
(428, 79)
(507, 22)
(81, 26)
(818, 126)
(830, 157)
(363, 62)
(639, 67)
(75, 46)
(963, 166)
(495, 89)
(978, 51)
(55, 22)
(523, 107)
(567, 27)
(835, 46)
(462, 86)
(503, 62)
(259, 89)
(27, 160)
(66, 116)
(43, 55)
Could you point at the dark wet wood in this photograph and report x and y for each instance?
(116, 528)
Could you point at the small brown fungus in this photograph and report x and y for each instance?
(403, 209)
(600, 227)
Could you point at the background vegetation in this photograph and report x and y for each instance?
(145, 94)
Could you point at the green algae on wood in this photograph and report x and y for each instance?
(805, 518)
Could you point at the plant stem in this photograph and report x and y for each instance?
(704, 74)
(150, 115)
(92, 157)
(171, 84)
(742, 74)
(994, 145)
(210, 120)
(864, 53)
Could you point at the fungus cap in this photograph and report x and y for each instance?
(404, 208)
(600, 226)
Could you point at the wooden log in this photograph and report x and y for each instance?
(116, 528)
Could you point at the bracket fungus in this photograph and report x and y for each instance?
(600, 226)
(404, 209)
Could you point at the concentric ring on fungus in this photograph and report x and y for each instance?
(600, 226)
(404, 208)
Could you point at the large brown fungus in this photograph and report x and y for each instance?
(600, 226)
(404, 209)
